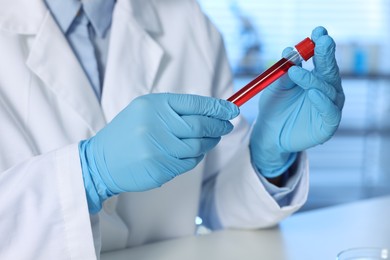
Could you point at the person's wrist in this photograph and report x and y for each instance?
(272, 164)
(95, 188)
(93, 199)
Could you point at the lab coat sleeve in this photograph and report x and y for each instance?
(233, 196)
(43, 209)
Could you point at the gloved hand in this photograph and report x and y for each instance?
(301, 110)
(154, 139)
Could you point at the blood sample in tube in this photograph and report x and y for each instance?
(303, 51)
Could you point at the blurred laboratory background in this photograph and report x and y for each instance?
(355, 164)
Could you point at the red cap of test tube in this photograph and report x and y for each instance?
(306, 48)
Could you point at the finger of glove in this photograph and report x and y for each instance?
(325, 61)
(195, 147)
(284, 82)
(201, 126)
(161, 173)
(340, 100)
(330, 113)
(286, 53)
(167, 148)
(308, 80)
(180, 166)
(184, 104)
(318, 32)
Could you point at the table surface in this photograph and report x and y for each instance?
(313, 235)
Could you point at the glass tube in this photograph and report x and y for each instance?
(303, 51)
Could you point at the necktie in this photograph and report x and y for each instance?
(80, 39)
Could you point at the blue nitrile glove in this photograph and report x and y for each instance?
(154, 139)
(299, 111)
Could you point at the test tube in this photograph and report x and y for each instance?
(303, 51)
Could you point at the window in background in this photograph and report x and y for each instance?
(354, 164)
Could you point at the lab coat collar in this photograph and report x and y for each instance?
(22, 16)
(59, 70)
(134, 57)
(132, 67)
(26, 16)
(52, 60)
(145, 14)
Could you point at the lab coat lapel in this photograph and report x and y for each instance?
(134, 57)
(54, 62)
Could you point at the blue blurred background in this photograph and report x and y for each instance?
(355, 164)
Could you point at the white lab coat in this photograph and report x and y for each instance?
(47, 106)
